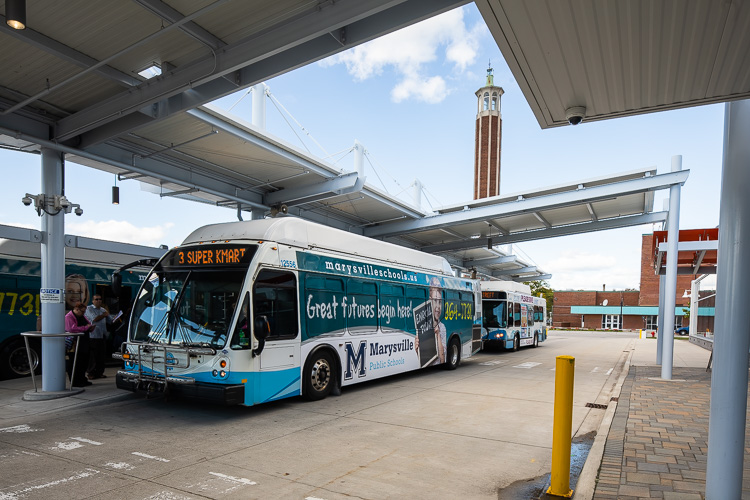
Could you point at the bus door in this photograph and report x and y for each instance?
(275, 297)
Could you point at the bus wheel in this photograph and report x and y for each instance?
(536, 340)
(454, 355)
(318, 377)
(14, 362)
(516, 343)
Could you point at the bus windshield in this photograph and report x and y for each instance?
(187, 305)
(494, 314)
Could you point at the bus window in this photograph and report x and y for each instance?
(360, 308)
(322, 302)
(510, 314)
(241, 336)
(391, 300)
(516, 314)
(493, 314)
(275, 297)
(414, 296)
(530, 314)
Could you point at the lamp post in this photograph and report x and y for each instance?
(622, 325)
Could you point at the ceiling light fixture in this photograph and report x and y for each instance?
(115, 193)
(15, 14)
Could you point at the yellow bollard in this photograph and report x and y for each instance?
(562, 428)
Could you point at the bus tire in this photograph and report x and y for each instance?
(516, 343)
(319, 377)
(536, 340)
(453, 358)
(14, 362)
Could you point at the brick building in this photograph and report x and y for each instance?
(629, 309)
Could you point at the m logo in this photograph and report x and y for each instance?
(355, 361)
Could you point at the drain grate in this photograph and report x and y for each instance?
(597, 406)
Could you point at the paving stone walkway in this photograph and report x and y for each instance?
(658, 442)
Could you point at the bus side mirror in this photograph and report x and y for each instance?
(262, 331)
(116, 282)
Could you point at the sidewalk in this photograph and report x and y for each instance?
(657, 444)
(13, 406)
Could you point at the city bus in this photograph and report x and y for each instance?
(87, 272)
(511, 316)
(256, 311)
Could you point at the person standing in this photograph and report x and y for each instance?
(76, 322)
(99, 317)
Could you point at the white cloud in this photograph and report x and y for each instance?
(409, 50)
(575, 270)
(121, 231)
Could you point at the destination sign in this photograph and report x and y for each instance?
(210, 256)
(493, 295)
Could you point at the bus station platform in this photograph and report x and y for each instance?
(657, 443)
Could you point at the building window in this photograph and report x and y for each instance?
(494, 101)
(486, 101)
(651, 322)
(611, 322)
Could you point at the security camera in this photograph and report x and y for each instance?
(575, 114)
(26, 200)
(79, 211)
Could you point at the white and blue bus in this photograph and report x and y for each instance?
(249, 312)
(511, 316)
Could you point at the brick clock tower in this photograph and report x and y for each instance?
(487, 137)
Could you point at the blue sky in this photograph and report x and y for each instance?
(409, 98)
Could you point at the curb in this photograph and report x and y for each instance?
(586, 484)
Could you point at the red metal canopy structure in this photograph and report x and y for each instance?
(697, 251)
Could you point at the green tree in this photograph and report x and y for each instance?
(543, 288)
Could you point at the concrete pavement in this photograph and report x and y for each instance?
(650, 444)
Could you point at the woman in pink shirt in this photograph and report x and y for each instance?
(76, 322)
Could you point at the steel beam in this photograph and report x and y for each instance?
(532, 205)
(491, 261)
(515, 272)
(337, 186)
(539, 234)
(66, 53)
(20, 234)
(86, 243)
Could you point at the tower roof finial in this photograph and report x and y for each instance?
(490, 75)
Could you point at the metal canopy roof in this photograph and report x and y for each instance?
(697, 251)
(622, 58)
(75, 87)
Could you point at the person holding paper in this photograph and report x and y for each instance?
(99, 317)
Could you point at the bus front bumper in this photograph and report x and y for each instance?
(210, 393)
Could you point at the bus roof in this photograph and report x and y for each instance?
(301, 233)
(505, 286)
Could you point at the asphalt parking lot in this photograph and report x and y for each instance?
(469, 433)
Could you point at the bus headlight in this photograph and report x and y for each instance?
(499, 335)
(215, 373)
(129, 365)
(222, 374)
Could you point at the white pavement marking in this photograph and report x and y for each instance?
(16, 453)
(19, 429)
(67, 446)
(313, 498)
(138, 453)
(240, 480)
(84, 440)
(119, 465)
(596, 369)
(167, 495)
(489, 363)
(527, 365)
(609, 371)
(12, 495)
